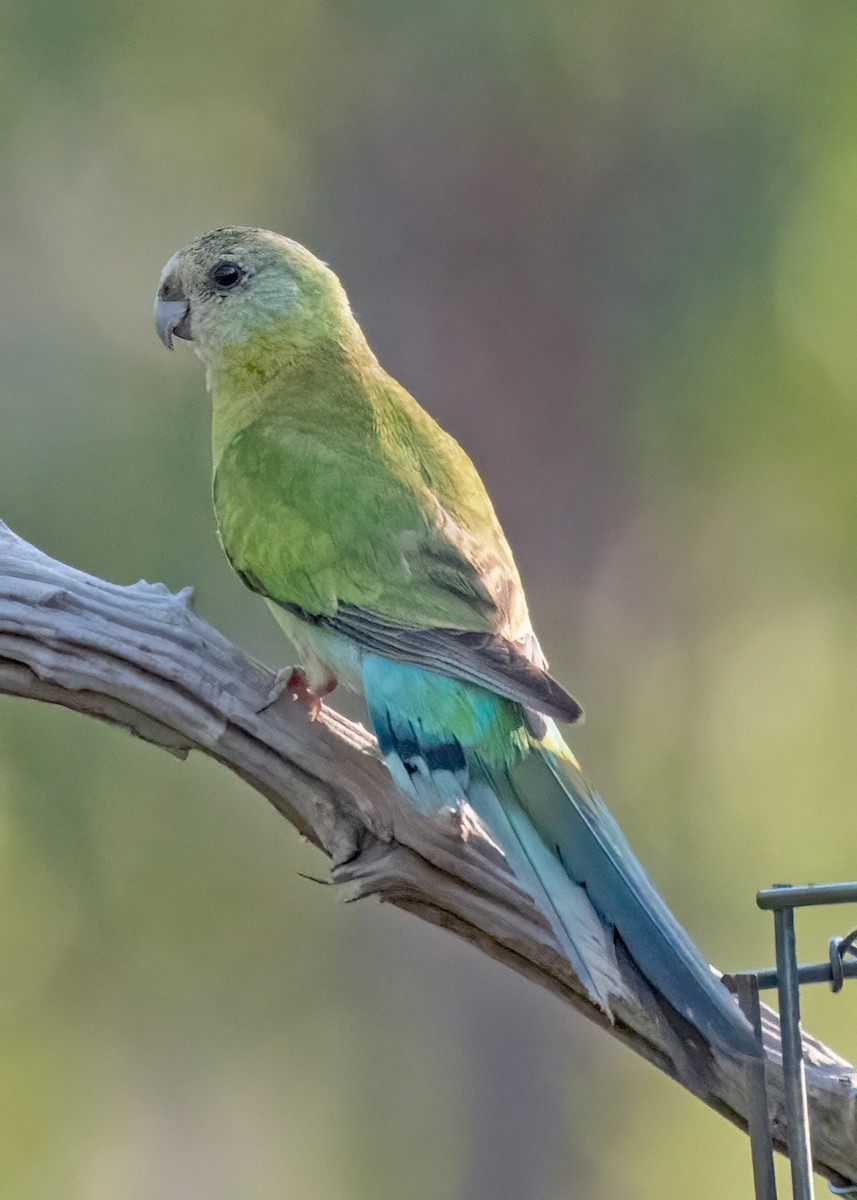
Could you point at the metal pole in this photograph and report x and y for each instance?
(783, 895)
(794, 1074)
(806, 973)
(757, 1116)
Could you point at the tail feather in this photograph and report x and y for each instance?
(568, 815)
(560, 841)
(439, 776)
(575, 924)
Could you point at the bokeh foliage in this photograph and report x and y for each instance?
(612, 248)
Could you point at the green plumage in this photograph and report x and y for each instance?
(338, 497)
(371, 536)
(370, 507)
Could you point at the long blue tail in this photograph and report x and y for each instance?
(563, 845)
(569, 816)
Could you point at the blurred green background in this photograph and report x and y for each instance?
(611, 247)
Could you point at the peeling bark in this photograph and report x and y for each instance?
(139, 657)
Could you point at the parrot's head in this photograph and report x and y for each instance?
(251, 299)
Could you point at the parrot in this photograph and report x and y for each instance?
(369, 533)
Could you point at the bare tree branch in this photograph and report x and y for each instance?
(139, 657)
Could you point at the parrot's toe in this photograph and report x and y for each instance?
(294, 682)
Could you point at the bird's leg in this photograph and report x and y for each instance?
(295, 682)
(308, 697)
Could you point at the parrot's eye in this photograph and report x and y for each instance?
(226, 274)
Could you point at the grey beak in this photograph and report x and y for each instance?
(172, 317)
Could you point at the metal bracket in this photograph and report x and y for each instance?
(786, 977)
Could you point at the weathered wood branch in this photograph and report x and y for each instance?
(139, 657)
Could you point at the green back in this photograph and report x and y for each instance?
(343, 490)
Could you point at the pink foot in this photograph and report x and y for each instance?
(310, 699)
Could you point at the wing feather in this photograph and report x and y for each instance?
(486, 659)
(416, 569)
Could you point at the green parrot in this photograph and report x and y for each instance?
(369, 533)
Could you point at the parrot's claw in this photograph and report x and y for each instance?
(293, 681)
(298, 687)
